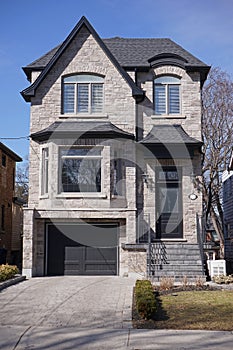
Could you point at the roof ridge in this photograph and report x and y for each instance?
(138, 38)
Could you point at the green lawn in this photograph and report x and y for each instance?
(208, 310)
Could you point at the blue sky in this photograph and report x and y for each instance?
(28, 29)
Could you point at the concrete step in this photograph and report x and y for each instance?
(177, 260)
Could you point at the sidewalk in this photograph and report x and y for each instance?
(67, 338)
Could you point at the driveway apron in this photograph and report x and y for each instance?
(71, 301)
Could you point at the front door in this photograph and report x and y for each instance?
(169, 216)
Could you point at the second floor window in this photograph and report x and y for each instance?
(83, 93)
(167, 95)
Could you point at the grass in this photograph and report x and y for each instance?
(205, 310)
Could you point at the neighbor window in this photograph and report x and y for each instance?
(3, 160)
(44, 171)
(80, 169)
(3, 217)
(83, 93)
(167, 95)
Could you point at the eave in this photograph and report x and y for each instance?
(29, 92)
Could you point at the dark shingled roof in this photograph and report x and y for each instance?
(29, 92)
(169, 134)
(79, 129)
(125, 54)
(132, 52)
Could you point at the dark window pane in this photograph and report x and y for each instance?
(83, 98)
(160, 99)
(95, 151)
(68, 100)
(174, 99)
(3, 160)
(97, 98)
(81, 175)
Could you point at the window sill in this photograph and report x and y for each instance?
(169, 116)
(44, 196)
(84, 116)
(81, 195)
(170, 240)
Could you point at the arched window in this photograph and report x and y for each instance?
(83, 93)
(167, 95)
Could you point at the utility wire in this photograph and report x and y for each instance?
(14, 138)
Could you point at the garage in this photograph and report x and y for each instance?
(81, 249)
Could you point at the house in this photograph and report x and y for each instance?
(115, 153)
(10, 209)
(227, 182)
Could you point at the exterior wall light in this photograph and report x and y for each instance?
(193, 196)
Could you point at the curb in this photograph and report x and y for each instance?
(11, 282)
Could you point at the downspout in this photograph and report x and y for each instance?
(136, 109)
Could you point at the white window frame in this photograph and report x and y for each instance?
(78, 80)
(176, 82)
(62, 193)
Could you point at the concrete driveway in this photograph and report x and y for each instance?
(68, 301)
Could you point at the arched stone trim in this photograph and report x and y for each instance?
(169, 70)
(88, 69)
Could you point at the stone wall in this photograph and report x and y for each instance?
(84, 55)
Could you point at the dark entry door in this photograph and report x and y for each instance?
(169, 214)
(82, 249)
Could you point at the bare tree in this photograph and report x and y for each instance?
(218, 141)
(22, 181)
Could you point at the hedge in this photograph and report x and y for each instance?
(145, 299)
(7, 272)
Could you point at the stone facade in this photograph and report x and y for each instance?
(85, 55)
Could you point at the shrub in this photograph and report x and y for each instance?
(145, 299)
(166, 283)
(199, 282)
(185, 282)
(7, 271)
(223, 279)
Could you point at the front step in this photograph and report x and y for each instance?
(178, 261)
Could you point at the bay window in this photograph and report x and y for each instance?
(80, 169)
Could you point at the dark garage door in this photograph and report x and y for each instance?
(81, 249)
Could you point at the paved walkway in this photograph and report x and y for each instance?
(64, 313)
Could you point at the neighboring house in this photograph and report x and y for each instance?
(10, 209)
(227, 180)
(115, 154)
